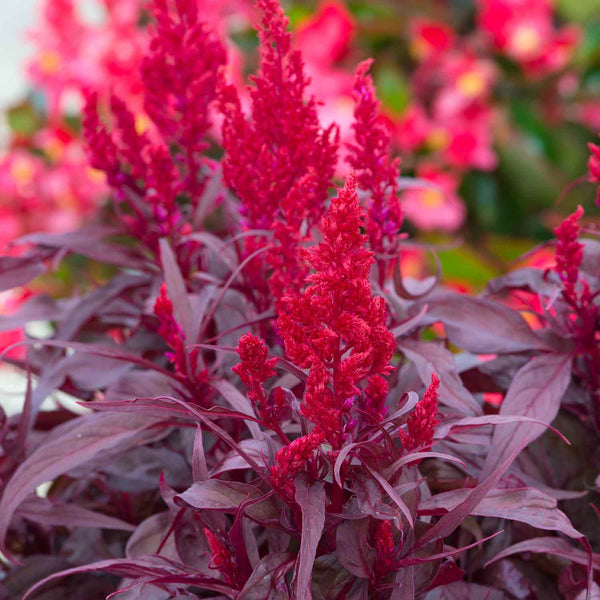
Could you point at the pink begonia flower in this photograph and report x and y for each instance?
(470, 145)
(430, 38)
(326, 37)
(468, 83)
(437, 207)
(412, 128)
(524, 30)
(456, 88)
(74, 55)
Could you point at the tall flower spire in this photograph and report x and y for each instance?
(377, 173)
(279, 162)
(336, 328)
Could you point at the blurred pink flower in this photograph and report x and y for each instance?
(430, 38)
(437, 207)
(524, 30)
(326, 37)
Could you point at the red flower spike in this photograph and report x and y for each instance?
(180, 75)
(386, 553)
(280, 162)
(254, 369)
(101, 148)
(292, 459)
(423, 420)
(336, 328)
(377, 173)
(569, 252)
(170, 330)
(222, 559)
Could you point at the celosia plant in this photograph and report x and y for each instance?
(267, 413)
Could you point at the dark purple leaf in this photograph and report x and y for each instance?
(72, 444)
(353, 550)
(464, 591)
(182, 309)
(38, 308)
(87, 242)
(150, 567)
(17, 271)
(550, 545)
(482, 326)
(48, 512)
(268, 578)
(452, 519)
(536, 392)
(525, 504)
(310, 496)
(149, 535)
(226, 496)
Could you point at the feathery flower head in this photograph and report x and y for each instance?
(569, 252)
(386, 553)
(423, 420)
(222, 559)
(594, 167)
(279, 162)
(292, 459)
(336, 328)
(180, 75)
(186, 365)
(376, 172)
(254, 369)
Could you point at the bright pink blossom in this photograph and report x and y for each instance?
(430, 38)
(294, 458)
(180, 74)
(325, 37)
(524, 30)
(187, 365)
(435, 207)
(594, 167)
(386, 552)
(254, 369)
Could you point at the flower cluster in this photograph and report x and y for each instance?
(423, 420)
(279, 162)
(524, 31)
(376, 172)
(569, 252)
(336, 328)
(279, 447)
(187, 365)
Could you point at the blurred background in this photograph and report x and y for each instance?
(490, 106)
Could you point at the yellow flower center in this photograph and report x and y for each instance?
(54, 149)
(525, 40)
(438, 139)
(49, 62)
(142, 123)
(471, 83)
(22, 171)
(95, 175)
(432, 199)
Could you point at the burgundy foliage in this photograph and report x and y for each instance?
(268, 413)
